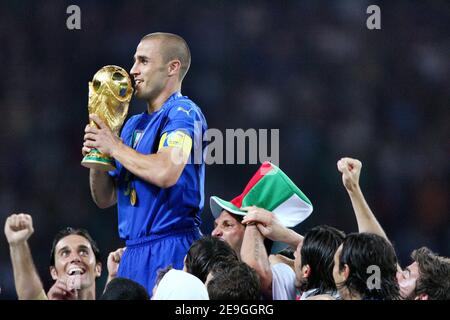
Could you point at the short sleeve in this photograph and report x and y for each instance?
(283, 282)
(181, 118)
(178, 130)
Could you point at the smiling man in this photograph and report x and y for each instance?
(75, 262)
(158, 184)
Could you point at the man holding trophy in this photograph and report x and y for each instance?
(150, 170)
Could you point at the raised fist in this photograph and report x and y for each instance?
(18, 228)
(350, 169)
(113, 262)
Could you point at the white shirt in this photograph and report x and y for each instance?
(283, 282)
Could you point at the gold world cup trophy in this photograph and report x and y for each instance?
(110, 93)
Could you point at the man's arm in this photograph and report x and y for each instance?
(253, 253)
(102, 186)
(18, 228)
(162, 169)
(367, 222)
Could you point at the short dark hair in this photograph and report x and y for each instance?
(288, 253)
(124, 289)
(318, 249)
(359, 252)
(234, 281)
(160, 273)
(74, 231)
(205, 253)
(434, 274)
(174, 47)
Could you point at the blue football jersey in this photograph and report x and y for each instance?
(145, 209)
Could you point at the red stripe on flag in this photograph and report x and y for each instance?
(262, 171)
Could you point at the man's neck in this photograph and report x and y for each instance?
(87, 294)
(156, 104)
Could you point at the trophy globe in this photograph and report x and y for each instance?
(110, 92)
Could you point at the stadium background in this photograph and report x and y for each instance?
(309, 68)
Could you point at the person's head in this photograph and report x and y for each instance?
(228, 227)
(365, 267)
(314, 259)
(428, 277)
(233, 281)
(205, 253)
(161, 60)
(160, 274)
(124, 289)
(75, 256)
(180, 285)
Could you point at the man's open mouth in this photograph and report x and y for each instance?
(75, 270)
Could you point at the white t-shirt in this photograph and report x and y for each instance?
(283, 282)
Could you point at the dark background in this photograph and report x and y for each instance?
(308, 68)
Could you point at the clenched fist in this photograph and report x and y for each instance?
(18, 228)
(350, 169)
(114, 261)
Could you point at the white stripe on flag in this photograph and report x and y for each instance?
(293, 211)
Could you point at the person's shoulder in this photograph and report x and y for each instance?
(280, 266)
(282, 272)
(185, 102)
(185, 108)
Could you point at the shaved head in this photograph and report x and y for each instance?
(173, 47)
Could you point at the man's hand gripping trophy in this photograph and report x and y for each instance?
(110, 93)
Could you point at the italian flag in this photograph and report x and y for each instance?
(270, 189)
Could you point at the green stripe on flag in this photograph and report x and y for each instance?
(272, 190)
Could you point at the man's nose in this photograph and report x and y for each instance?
(134, 71)
(216, 232)
(75, 257)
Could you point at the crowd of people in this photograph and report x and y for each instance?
(228, 265)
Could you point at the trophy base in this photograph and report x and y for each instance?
(98, 161)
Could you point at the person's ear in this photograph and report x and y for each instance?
(53, 273)
(98, 269)
(345, 272)
(174, 67)
(306, 271)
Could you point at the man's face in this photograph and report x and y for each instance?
(149, 71)
(75, 262)
(338, 276)
(297, 265)
(227, 228)
(407, 280)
